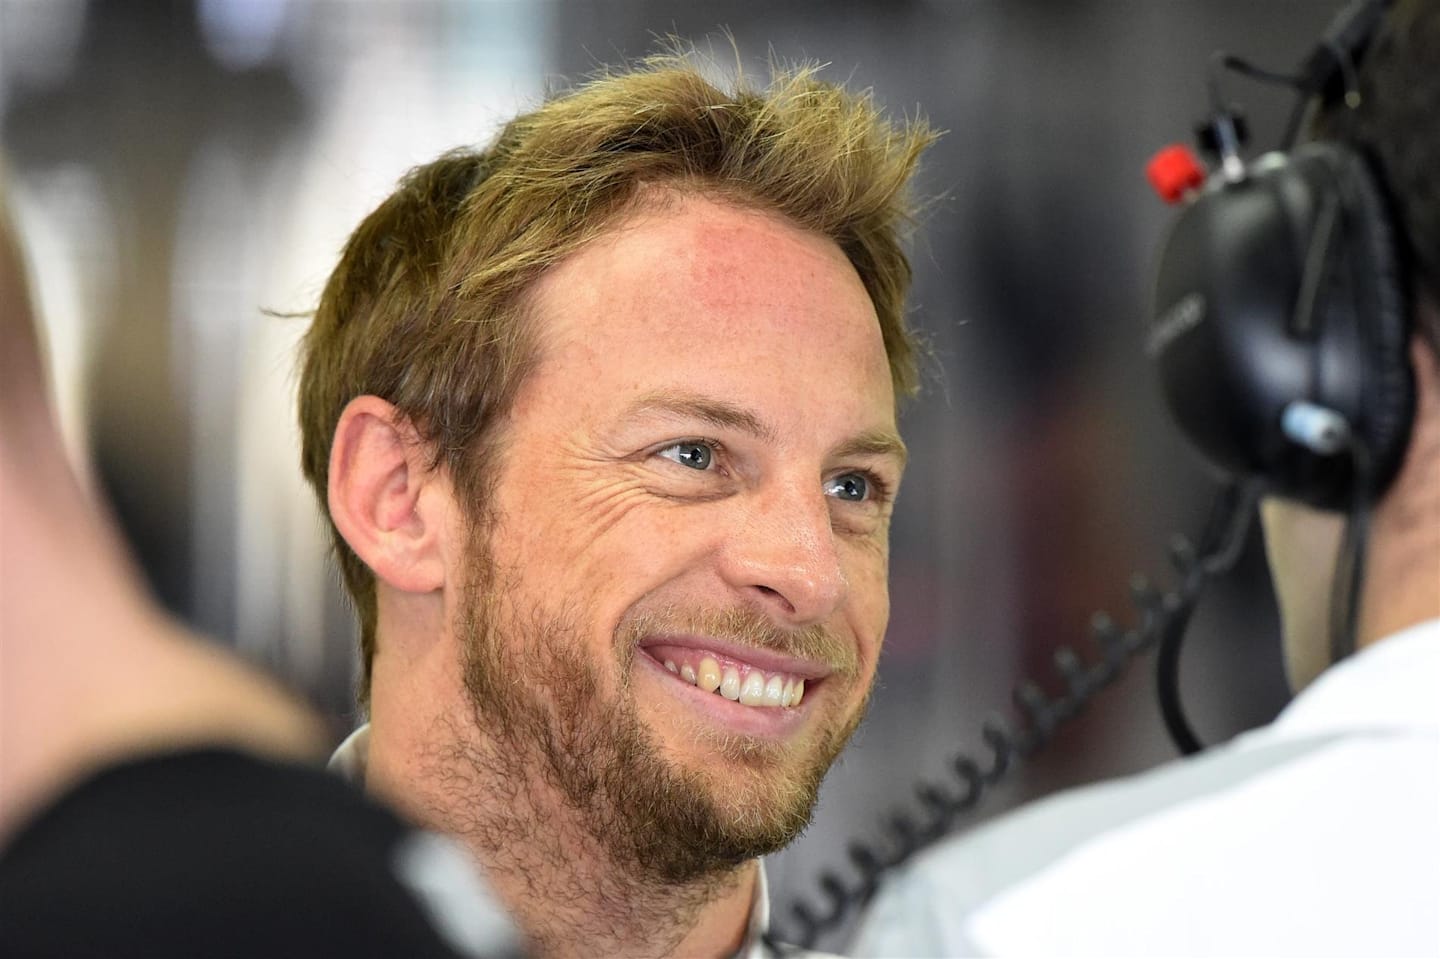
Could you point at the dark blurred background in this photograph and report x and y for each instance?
(186, 172)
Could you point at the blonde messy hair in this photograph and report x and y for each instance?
(426, 307)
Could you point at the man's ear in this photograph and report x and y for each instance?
(384, 498)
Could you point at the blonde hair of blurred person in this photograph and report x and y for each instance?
(92, 671)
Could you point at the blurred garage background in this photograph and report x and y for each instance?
(186, 172)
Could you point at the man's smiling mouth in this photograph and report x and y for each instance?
(735, 680)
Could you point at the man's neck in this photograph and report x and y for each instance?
(573, 901)
(558, 881)
(1402, 576)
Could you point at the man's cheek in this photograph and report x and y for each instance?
(869, 599)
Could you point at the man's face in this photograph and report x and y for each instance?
(696, 489)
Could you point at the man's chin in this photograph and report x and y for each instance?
(767, 790)
(759, 792)
(732, 830)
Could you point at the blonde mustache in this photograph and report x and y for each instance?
(744, 627)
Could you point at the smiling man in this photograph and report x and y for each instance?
(604, 418)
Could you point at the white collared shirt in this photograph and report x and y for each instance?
(1317, 835)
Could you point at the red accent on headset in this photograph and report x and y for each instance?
(1173, 172)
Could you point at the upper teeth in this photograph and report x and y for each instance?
(755, 689)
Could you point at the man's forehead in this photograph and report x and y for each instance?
(696, 258)
(691, 233)
(740, 307)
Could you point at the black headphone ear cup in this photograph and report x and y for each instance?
(1287, 287)
(1377, 300)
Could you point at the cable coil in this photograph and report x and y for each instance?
(1163, 617)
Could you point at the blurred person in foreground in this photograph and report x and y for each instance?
(604, 418)
(1320, 833)
(157, 798)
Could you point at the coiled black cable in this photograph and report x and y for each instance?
(1221, 543)
(1163, 616)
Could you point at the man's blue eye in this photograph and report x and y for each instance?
(852, 487)
(697, 456)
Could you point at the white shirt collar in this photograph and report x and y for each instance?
(348, 759)
(1389, 686)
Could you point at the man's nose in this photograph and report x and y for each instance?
(784, 556)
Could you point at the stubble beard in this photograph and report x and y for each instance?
(537, 696)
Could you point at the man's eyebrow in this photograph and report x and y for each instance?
(875, 443)
(717, 413)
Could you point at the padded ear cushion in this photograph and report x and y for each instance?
(1371, 282)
